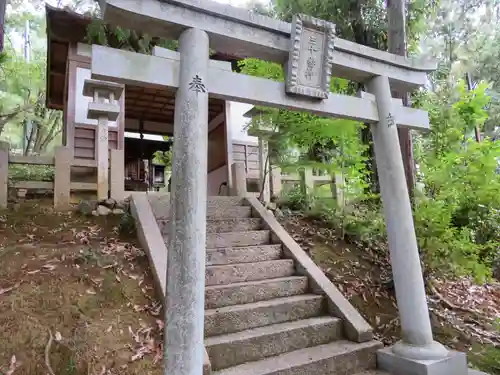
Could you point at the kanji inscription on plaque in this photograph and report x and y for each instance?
(311, 56)
(309, 63)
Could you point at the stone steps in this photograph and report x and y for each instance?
(238, 239)
(217, 296)
(228, 212)
(245, 254)
(235, 239)
(214, 211)
(233, 225)
(254, 344)
(336, 358)
(222, 225)
(237, 318)
(260, 315)
(240, 272)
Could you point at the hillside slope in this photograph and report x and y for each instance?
(465, 316)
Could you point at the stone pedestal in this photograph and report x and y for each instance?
(117, 181)
(417, 343)
(455, 363)
(62, 180)
(184, 350)
(104, 108)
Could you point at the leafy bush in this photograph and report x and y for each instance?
(295, 199)
(457, 217)
(361, 220)
(20, 172)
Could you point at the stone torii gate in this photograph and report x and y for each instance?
(311, 54)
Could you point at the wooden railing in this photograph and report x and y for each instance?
(307, 178)
(62, 161)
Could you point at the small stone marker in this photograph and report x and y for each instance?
(311, 55)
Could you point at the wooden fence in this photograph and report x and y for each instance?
(308, 179)
(62, 161)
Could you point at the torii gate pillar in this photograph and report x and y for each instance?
(184, 350)
(417, 350)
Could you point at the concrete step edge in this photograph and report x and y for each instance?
(261, 304)
(217, 296)
(270, 330)
(249, 264)
(256, 282)
(246, 232)
(298, 358)
(243, 248)
(238, 272)
(218, 219)
(242, 254)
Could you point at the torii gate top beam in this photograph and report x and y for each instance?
(241, 33)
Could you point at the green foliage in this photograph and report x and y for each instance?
(20, 172)
(117, 37)
(457, 217)
(295, 199)
(163, 158)
(22, 89)
(486, 358)
(300, 139)
(127, 225)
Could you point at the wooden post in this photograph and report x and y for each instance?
(239, 179)
(264, 170)
(275, 179)
(62, 180)
(4, 174)
(306, 180)
(117, 174)
(104, 108)
(337, 189)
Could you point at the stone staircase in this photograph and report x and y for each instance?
(262, 316)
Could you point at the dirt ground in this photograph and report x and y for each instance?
(464, 316)
(76, 298)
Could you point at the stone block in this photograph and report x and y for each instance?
(241, 272)
(248, 254)
(237, 318)
(454, 364)
(258, 343)
(217, 296)
(230, 239)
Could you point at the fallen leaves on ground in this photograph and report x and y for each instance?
(473, 310)
(146, 343)
(363, 273)
(104, 280)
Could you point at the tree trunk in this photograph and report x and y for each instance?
(3, 5)
(364, 37)
(477, 131)
(396, 38)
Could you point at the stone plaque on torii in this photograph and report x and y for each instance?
(310, 54)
